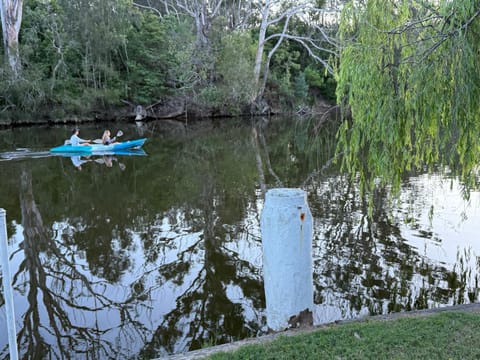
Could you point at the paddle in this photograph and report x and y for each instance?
(99, 141)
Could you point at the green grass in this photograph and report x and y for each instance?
(445, 335)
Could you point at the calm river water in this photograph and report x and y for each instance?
(159, 253)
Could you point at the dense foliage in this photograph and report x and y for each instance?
(410, 77)
(82, 56)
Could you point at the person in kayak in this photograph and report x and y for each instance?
(107, 140)
(75, 140)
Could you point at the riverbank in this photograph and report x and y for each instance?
(442, 333)
(174, 108)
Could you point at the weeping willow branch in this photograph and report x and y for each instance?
(409, 74)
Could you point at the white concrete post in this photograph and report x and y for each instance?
(7, 287)
(286, 226)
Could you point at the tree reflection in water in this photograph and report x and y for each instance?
(204, 312)
(173, 262)
(366, 266)
(60, 293)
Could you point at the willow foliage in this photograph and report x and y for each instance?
(409, 72)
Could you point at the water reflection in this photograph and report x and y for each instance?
(78, 161)
(61, 303)
(390, 263)
(207, 271)
(165, 256)
(107, 160)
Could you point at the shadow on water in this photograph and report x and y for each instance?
(163, 254)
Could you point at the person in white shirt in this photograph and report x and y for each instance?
(75, 140)
(78, 161)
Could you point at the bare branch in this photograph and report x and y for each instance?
(438, 39)
(290, 12)
(151, 8)
(215, 10)
(184, 6)
(304, 39)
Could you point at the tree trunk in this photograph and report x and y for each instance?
(261, 43)
(202, 26)
(11, 15)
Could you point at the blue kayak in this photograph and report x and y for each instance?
(99, 148)
(125, 152)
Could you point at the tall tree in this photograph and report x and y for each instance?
(11, 16)
(409, 73)
(238, 13)
(272, 15)
(202, 11)
(98, 36)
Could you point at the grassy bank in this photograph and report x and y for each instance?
(443, 335)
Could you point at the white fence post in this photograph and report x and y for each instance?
(286, 226)
(7, 287)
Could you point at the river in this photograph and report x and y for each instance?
(157, 253)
